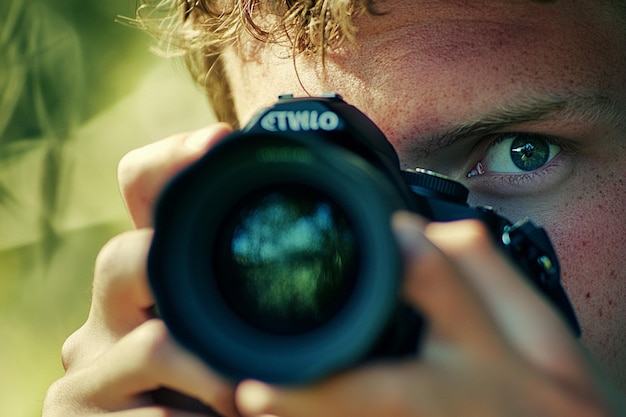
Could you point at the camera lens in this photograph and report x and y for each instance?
(286, 259)
(273, 256)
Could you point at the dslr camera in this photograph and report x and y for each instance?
(273, 256)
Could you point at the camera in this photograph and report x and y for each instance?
(273, 256)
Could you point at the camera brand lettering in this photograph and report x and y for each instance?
(295, 121)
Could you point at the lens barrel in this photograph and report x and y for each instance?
(273, 258)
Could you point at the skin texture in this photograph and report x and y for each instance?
(441, 80)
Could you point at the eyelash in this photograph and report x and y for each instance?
(495, 180)
(531, 177)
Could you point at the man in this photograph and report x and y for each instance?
(456, 86)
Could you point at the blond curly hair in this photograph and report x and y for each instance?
(199, 30)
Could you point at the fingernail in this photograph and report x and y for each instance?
(200, 139)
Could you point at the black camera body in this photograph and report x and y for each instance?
(273, 256)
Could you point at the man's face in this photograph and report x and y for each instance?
(520, 101)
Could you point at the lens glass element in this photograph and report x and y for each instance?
(286, 259)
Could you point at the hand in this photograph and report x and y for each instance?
(494, 348)
(122, 355)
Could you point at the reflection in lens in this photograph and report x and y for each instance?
(286, 259)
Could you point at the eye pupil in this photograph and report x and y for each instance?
(529, 153)
(526, 151)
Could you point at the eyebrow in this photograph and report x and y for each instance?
(591, 108)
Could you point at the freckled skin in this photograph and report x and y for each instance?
(591, 244)
(419, 68)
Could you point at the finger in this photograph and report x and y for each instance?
(121, 299)
(59, 404)
(145, 360)
(437, 288)
(371, 390)
(407, 387)
(528, 322)
(121, 293)
(143, 173)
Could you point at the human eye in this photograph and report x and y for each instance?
(516, 153)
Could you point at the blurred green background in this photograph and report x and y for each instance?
(78, 89)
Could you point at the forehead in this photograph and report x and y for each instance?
(485, 50)
(463, 29)
(433, 55)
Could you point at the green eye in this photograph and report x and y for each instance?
(517, 153)
(529, 153)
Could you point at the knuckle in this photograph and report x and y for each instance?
(129, 168)
(114, 261)
(134, 176)
(152, 339)
(70, 349)
(108, 257)
(143, 172)
(107, 269)
(84, 346)
(53, 399)
(60, 399)
(137, 168)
